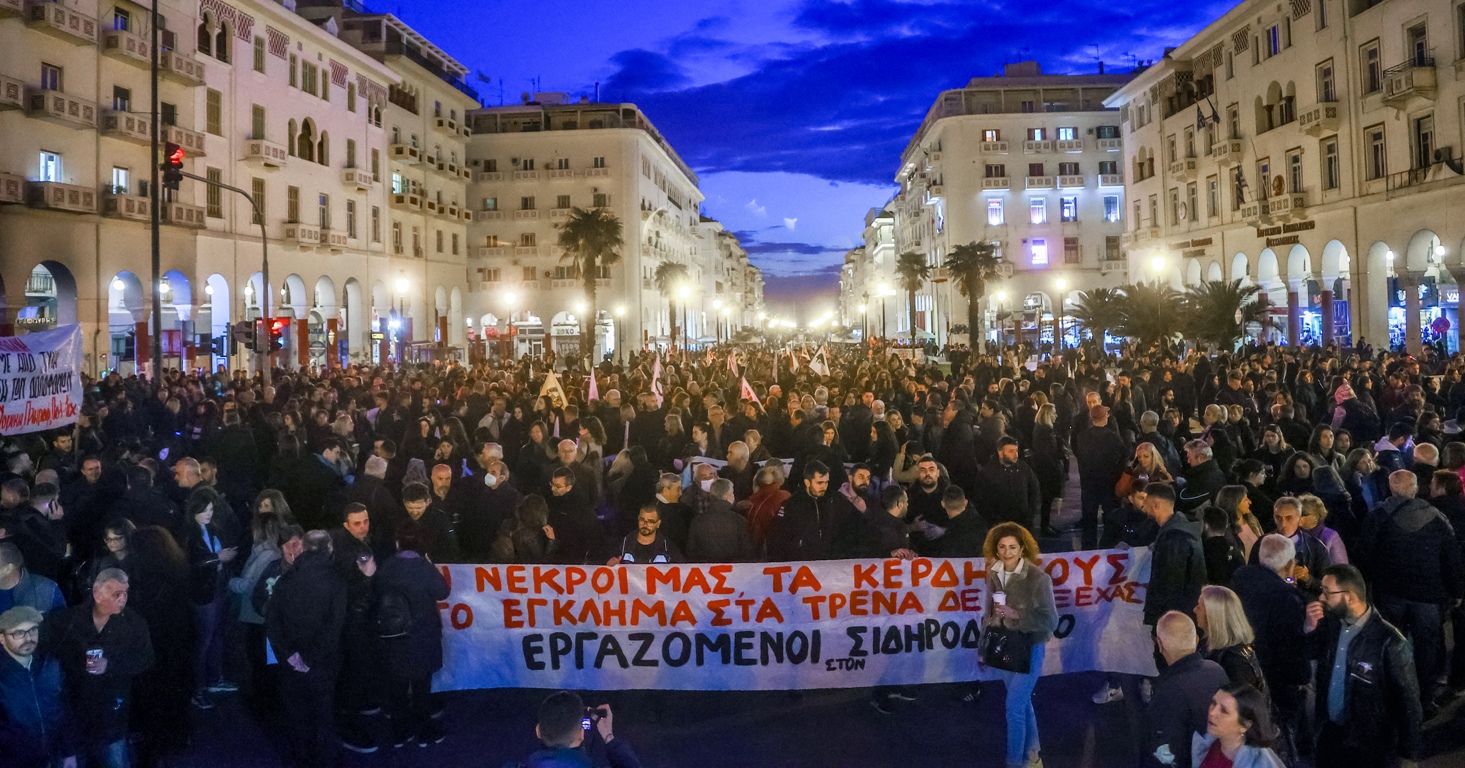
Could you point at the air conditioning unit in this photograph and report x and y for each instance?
(515, 161)
(1444, 154)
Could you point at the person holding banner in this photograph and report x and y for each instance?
(1019, 616)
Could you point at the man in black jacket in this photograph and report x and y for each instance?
(1203, 477)
(1101, 455)
(579, 533)
(1275, 608)
(805, 527)
(966, 531)
(1367, 694)
(719, 535)
(304, 622)
(1183, 691)
(1009, 488)
(1177, 558)
(1311, 553)
(1409, 549)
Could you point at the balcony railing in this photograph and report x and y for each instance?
(1071, 182)
(483, 177)
(1111, 145)
(61, 22)
(55, 196)
(1040, 182)
(1413, 78)
(12, 189)
(57, 107)
(125, 46)
(1227, 151)
(122, 206)
(335, 240)
(191, 141)
(357, 178)
(526, 175)
(1319, 119)
(303, 236)
(561, 173)
(995, 147)
(526, 214)
(264, 153)
(1069, 145)
(410, 201)
(10, 9)
(488, 215)
(180, 68)
(1037, 147)
(405, 153)
(127, 127)
(12, 93)
(1405, 179)
(183, 215)
(1111, 180)
(1183, 168)
(997, 182)
(591, 173)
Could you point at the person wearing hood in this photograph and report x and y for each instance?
(1354, 415)
(572, 738)
(1414, 566)
(1177, 559)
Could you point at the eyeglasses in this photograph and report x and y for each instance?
(21, 634)
(1335, 591)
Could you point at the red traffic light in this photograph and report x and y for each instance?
(176, 157)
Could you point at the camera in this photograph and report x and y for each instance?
(592, 714)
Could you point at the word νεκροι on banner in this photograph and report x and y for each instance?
(771, 626)
(40, 380)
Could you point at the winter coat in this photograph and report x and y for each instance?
(37, 592)
(1177, 569)
(1102, 456)
(1009, 493)
(1030, 593)
(306, 613)
(1246, 757)
(1382, 713)
(100, 703)
(1409, 552)
(1202, 482)
(1275, 610)
(804, 528)
(1180, 703)
(419, 653)
(259, 560)
(35, 723)
(719, 535)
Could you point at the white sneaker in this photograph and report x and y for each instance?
(1109, 694)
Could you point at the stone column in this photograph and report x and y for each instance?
(1413, 340)
(1326, 307)
(1294, 316)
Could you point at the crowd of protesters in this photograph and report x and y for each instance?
(209, 535)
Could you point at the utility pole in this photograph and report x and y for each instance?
(156, 191)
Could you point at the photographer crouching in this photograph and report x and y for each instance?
(575, 736)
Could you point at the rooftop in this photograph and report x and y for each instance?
(383, 34)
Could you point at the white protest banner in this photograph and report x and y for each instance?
(771, 626)
(40, 380)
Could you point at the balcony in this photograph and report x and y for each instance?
(559, 213)
(465, 173)
(1039, 182)
(333, 239)
(12, 189)
(562, 173)
(1037, 147)
(531, 213)
(1111, 180)
(61, 22)
(1111, 145)
(57, 107)
(1183, 169)
(446, 125)
(407, 201)
(527, 250)
(12, 93)
(1227, 151)
(485, 177)
(303, 236)
(997, 182)
(9, 9)
(405, 153)
(488, 215)
(1140, 235)
(1004, 270)
(357, 179)
(1069, 145)
(191, 141)
(994, 147)
(490, 251)
(1413, 79)
(451, 169)
(127, 127)
(183, 215)
(264, 153)
(429, 205)
(429, 158)
(934, 157)
(526, 175)
(132, 207)
(55, 196)
(1320, 119)
(1113, 266)
(180, 68)
(936, 190)
(126, 46)
(451, 210)
(597, 173)
(1289, 206)
(1071, 182)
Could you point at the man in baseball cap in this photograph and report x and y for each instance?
(31, 698)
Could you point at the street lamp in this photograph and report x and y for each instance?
(864, 322)
(620, 313)
(1062, 286)
(402, 286)
(1000, 298)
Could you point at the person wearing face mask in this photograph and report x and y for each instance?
(495, 501)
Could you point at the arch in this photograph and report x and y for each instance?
(1424, 249)
(126, 301)
(1334, 260)
(305, 140)
(50, 297)
(254, 293)
(216, 305)
(325, 295)
(1192, 271)
(323, 148)
(293, 296)
(221, 42)
(177, 292)
(1267, 270)
(1214, 272)
(1299, 263)
(205, 39)
(489, 320)
(1241, 268)
(1372, 319)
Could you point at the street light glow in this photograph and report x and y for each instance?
(209, 289)
(684, 291)
(1061, 284)
(1157, 263)
(580, 307)
(118, 285)
(402, 285)
(1000, 296)
(762, 316)
(862, 309)
(620, 310)
(510, 298)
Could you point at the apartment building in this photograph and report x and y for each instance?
(1311, 148)
(1031, 163)
(536, 161)
(869, 299)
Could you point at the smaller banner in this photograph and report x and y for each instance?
(40, 380)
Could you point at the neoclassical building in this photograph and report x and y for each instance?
(1312, 148)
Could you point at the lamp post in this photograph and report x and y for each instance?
(717, 314)
(402, 286)
(510, 299)
(864, 322)
(884, 289)
(1062, 285)
(620, 313)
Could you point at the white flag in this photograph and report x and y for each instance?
(819, 365)
(746, 392)
(656, 380)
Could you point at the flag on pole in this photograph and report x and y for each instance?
(656, 380)
(793, 362)
(819, 364)
(745, 391)
(594, 389)
(553, 390)
(708, 360)
(732, 361)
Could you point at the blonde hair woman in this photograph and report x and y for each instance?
(1227, 636)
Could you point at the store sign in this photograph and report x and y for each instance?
(1295, 226)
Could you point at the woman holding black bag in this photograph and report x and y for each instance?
(1020, 617)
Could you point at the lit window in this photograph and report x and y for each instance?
(994, 213)
(1038, 211)
(1040, 252)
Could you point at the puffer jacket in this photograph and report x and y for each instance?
(1409, 552)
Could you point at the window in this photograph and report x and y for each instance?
(350, 97)
(526, 203)
(1037, 169)
(490, 203)
(214, 194)
(1068, 209)
(292, 204)
(121, 180)
(121, 20)
(528, 240)
(1274, 40)
(50, 166)
(256, 122)
(645, 167)
(205, 37)
(562, 201)
(1068, 169)
(1192, 210)
(168, 113)
(492, 241)
(1172, 150)
(1423, 129)
(1233, 122)
(1175, 215)
(527, 165)
(991, 134)
(1190, 142)
(1154, 210)
(416, 242)
(1109, 167)
(455, 243)
(1327, 90)
(600, 200)
(1460, 29)
(1378, 166)
(324, 208)
(1294, 171)
(1071, 254)
(527, 274)
(1028, 106)
(440, 241)
(1112, 250)
(1418, 39)
(1230, 65)
(1107, 131)
(1136, 214)
(1322, 14)
(491, 274)
(214, 112)
(325, 88)
(257, 191)
(598, 162)
(307, 77)
(294, 77)
(1331, 168)
(376, 164)
(1039, 251)
(376, 224)
(259, 53)
(490, 166)
(1038, 211)
(1067, 134)
(1213, 197)
(1264, 177)
(399, 183)
(121, 99)
(397, 236)
(994, 212)
(221, 43)
(1373, 70)
(1112, 211)
(996, 171)
(1037, 134)
(50, 77)
(351, 219)
(350, 153)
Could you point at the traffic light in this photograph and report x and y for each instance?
(241, 332)
(172, 165)
(261, 339)
(277, 333)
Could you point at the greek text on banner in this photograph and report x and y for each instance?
(40, 380)
(771, 626)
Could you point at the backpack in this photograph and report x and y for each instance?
(393, 615)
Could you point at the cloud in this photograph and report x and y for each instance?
(790, 223)
(642, 71)
(754, 208)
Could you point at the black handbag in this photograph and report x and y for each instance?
(1006, 649)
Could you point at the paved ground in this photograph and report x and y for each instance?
(773, 730)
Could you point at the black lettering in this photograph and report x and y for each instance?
(857, 634)
(1065, 626)
(743, 649)
(892, 644)
(797, 647)
(950, 635)
(533, 646)
(610, 646)
(643, 642)
(971, 637)
(915, 637)
(720, 644)
(814, 647)
(770, 644)
(930, 630)
(683, 653)
(559, 647)
(581, 638)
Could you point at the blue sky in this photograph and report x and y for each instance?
(793, 112)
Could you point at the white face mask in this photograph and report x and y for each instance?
(706, 484)
(490, 480)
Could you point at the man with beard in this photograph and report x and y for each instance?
(926, 514)
(858, 493)
(647, 544)
(1009, 488)
(805, 527)
(1367, 694)
(32, 698)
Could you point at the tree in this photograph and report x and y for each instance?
(591, 239)
(972, 266)
(1213, 307)
(1097, 311)
(1150, 312)
(669, 276)
(913, 272)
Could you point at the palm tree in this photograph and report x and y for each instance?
(1150, 312)
(591, 240)
(669, 276)
(973, 265)
(913, 271)
(1097, 311)
(1213, 307)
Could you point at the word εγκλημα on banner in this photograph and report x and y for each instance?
(771, 626)
(40, 380)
